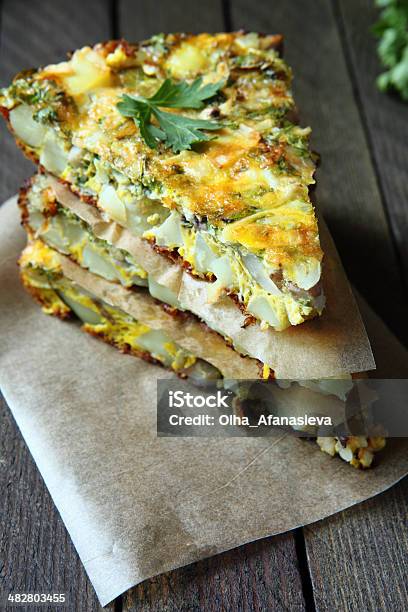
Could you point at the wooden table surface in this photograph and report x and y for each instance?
(355, 560)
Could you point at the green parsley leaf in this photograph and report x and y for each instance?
(129, 106)
(141, 113)
(181, 132)
(175, 131)
(392, 30)
(183, 95)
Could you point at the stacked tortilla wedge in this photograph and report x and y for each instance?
(185, 236)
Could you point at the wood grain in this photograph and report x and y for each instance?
(263, 575)
(252, 577)
(139, 19)
(36, 33)
(359, 558)
(36, 553)
(351, 555)
(386, 116)
(347, 187)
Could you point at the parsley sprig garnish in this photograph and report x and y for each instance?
(392, 30)
(176, 131)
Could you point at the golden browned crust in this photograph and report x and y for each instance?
(181, 315)
(122, 347)
(5, 112)
(41, 297)
(129, 49)
(22, 202)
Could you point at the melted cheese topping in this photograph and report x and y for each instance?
(245, 275)
(249, 185)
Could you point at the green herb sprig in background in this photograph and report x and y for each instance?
(392, 30)
(175, 131)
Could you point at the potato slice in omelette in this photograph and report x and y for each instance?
(231, 204)
(63, 289)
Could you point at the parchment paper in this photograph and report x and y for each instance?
(136, 505)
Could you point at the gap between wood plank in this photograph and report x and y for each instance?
(305, 576)
(118, 604)
(367, 132)
(226, 13)
(114, 19)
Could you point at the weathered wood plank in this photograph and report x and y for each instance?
(36, 553)
(351, 555)
(260, 576)
(347, 188)
(358, 558)
(263, 575)
(36, 33)
(141, 19)
(386, 116)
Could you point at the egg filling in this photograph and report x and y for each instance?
(236, 209)
(58, 295)
(67, 233)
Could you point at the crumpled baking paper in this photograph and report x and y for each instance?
(136, 505)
